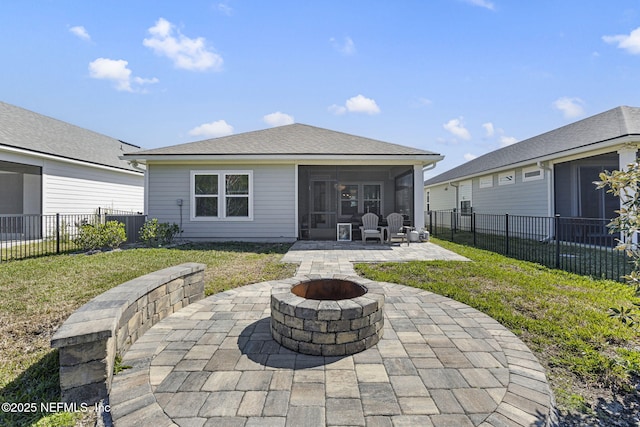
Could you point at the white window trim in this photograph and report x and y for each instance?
(222, 196)
(485, 181)
(503, 178)
(526, 178)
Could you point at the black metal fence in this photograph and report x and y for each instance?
(577, 245)
(23, 236)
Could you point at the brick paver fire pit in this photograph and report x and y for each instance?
(327, 316)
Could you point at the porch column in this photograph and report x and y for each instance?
(626, 155)
(418, 197)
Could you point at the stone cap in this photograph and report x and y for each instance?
(98, 319)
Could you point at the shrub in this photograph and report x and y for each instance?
(113, 234)
(155, 234)
(624, 184)
(96, 236)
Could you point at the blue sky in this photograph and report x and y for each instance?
(458, 77)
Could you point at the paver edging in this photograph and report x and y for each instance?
(535, 391)
(91, 338)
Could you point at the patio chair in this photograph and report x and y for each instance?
(370, 228)
(396, 228)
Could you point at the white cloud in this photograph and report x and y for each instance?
(117, 71)
(186, 53)
(278, 119)
(630, 42)
(212, 130)
(469, 156)
(142, 81)
(507, 140)
(488, 128)
(225, 8)
(361, 104)
(112, 69)
(356, 104)
(482, 3)
(347, 47)
(456, 127)
(421, 102)
(570, 107)
(80, 32)
(337, 109)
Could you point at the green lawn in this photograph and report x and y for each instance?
(38, 294)
(562, 317)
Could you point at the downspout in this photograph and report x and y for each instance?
(457, 187)
(426, 168)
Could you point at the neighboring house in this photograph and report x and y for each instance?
(549, 174)
(48, 166)
(283, 183)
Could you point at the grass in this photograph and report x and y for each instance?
(36, 248)
(38, 294)
(561, 316)
(590, 358)
(590, 260)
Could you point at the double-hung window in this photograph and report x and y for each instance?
(217, 195)
(236, 189)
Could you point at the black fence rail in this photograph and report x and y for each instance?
(23, 236)
(577, 245)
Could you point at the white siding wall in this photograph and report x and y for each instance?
(76, 188)
(73, 188)
(442, 197)
(465, 192)
(274, 201)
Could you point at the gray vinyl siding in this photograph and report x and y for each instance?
(521, 198)
(273, 203)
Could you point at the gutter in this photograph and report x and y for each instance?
(286, 158)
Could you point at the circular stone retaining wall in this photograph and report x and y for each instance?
(327, 327)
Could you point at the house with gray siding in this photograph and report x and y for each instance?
(48, 166)
(548, 174)
(282, 184)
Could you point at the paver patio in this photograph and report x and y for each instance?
(439, 363)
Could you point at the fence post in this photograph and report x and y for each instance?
(557, 233)
(57, 233)
(506, 231)
(453, 219)
(473, 227)
(430, 223)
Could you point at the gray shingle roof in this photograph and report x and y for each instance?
(618, 122)
(24, 129)
(294, 139)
